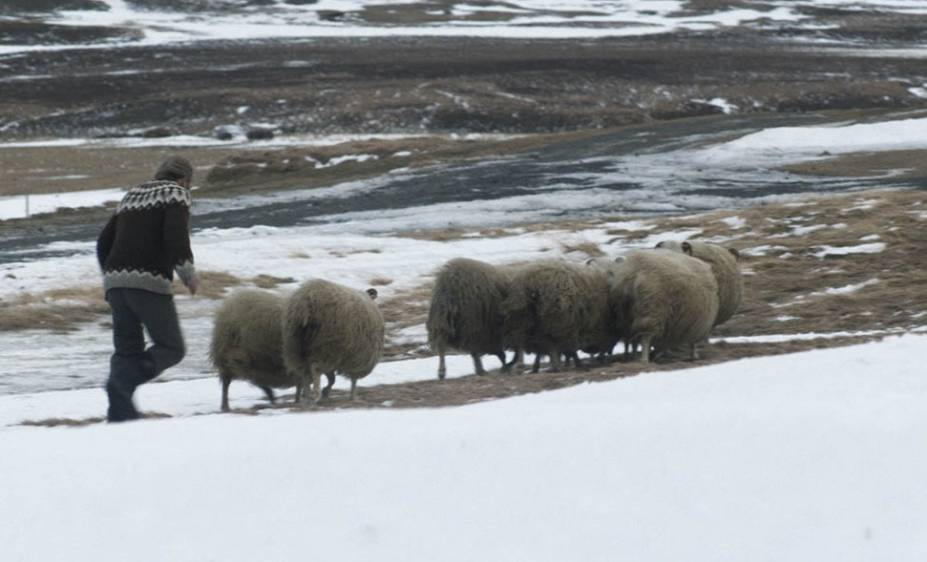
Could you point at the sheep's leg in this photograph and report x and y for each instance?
(537, 363)
(645, 349)
(576, 361)
(226, 381)
(316, 384)
(555, 365)
(353, 386)
(328, 388)
(442, 368)
(478, 364)
(299, 392)
(693, 351)
(269, 392)
(518, 359)
(501, 356)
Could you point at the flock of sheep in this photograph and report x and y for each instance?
(658, 299)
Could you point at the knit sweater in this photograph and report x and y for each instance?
(147, 239)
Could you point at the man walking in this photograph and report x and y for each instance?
(143, 244)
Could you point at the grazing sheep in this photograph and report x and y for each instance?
(329, 328)
(466, 311)
(247, 344)
(671, 299)
(723, 262)
(555, 308)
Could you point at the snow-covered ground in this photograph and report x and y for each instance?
(530, 19)
(810, 456)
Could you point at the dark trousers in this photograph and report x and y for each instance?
(132, 364)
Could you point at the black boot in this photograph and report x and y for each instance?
(121, 407)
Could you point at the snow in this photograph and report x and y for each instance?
(873, 248)
(241, 142)
(735, 223)
(19, 206)
(848, 289)
(791, 144)
(762, 250)
(530, 19)
(811, 456)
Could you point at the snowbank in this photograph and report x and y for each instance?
(812, 456)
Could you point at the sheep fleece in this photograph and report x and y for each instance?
(669, 296)
(466, 306)
(246, 339)
(335, 328)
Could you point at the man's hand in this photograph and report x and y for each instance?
(193, 285)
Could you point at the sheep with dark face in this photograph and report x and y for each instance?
(330, 328)
(723, 262)
(670, 298)
(465, 312)
(247, 343)
(555, 308)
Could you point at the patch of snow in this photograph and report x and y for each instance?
(847, 289)
(735, 223)
(20, 206)
(721, 103)
(762, 250)
(873, 248)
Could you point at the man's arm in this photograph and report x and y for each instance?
(105, 241)
(176, 239)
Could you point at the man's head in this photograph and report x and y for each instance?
(176, 169)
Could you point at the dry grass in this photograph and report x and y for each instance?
(590, 249)
(270, 282)
(899, 163)
(380, 281)
(58, 310)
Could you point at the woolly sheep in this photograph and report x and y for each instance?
(723, 262)
(329, 328)
(465, 312)
(555, 308)
(671, 299)
(247, 344)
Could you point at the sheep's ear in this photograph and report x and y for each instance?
(372, 293)
(734, 253)
(659, 245)
(687, 248)
(590, 261)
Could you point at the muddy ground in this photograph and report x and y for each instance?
(458, 84)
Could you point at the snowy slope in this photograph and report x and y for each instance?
(812, 456)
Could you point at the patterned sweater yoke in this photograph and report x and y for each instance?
(147, 239)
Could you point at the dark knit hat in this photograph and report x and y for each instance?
(175, 168)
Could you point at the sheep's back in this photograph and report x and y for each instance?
(334, 328)
(672, 296)
(727, 274)
(246, 338)
(465, 312)
(545, 309)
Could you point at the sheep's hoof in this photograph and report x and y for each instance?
(441, 375)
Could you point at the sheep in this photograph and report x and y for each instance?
(671, 299)
(247, 344)
(723, 262)
(329, 328)
(555, 308)
(465, 312)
